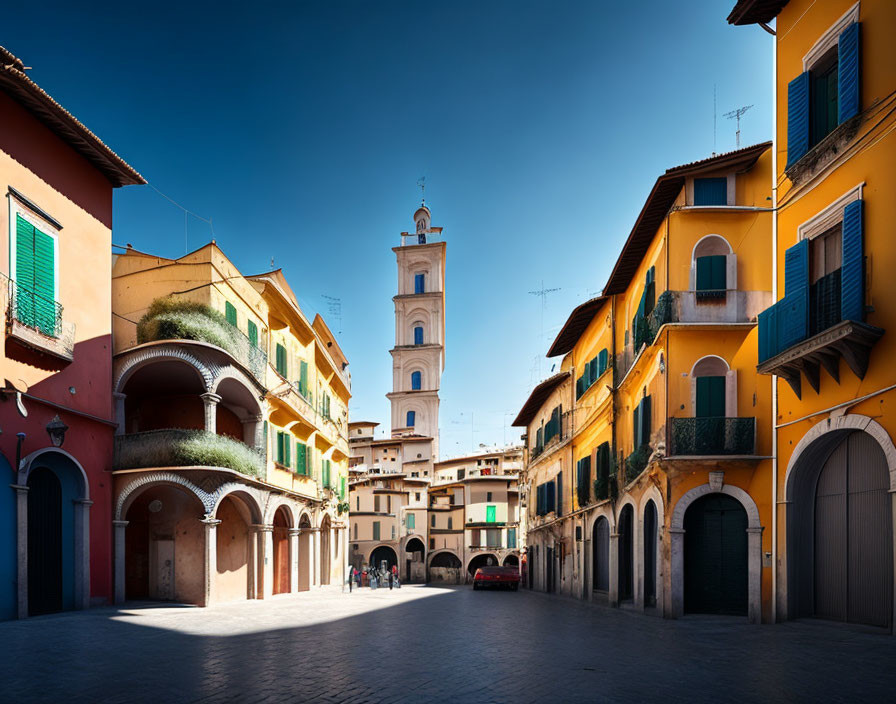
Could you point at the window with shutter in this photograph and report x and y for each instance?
(252, 330)
(303, 378)
(603, 361)
(645, 420)
(376, 530)
(280, 363)
(823, 93)
(35, 274)
(490, 514)
(418, 335)
(848, 75)
(711, 191)
(411, 419)
(852, 291)
(412, 521)
(230, 313)
(550, 497)
(797, 118)
(710, 397)
(419, 283)
(559, 490)
(711, 272)
(416, 381)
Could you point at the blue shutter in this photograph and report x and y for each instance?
(796, 267)
(797, 118)
(416, 381)
(793, 318)
(418, 283)
(711, 191)
(603, 361)
(848, 76)
(852, 279)
(768, 333)
(418, 336)
(411, 418)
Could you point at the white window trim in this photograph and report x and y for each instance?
(830, 38)
(17, 207)
(730, 194)
(830, 216)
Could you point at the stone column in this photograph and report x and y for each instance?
(22, 547)
(264, 584)
(82, 553)
(754, 578)
(252, 431)
(119, 556)
(211, 558)
(211, 410)
(315, 557)
(676, 559)
(614, 569)
(119, 412)
(588, 570)
(294, 560)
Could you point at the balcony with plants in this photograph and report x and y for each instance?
(712, 436)
(821, 317)
(555, 431)
(35, 320)
(172, 319)
(177, 447)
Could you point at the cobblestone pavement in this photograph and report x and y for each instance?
(426, 644)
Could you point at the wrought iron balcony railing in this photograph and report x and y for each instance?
(37, 321)
(713, 436)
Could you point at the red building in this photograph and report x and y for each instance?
(56, 417)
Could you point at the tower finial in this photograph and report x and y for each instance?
(421, 183)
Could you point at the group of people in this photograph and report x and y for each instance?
(375, 577)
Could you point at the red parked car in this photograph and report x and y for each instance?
(497, 577)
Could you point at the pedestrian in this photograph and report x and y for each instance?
(391, 578)
(358, 577)
(351, 578)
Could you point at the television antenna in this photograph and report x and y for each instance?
(421, 184)
(736, 115)
(543, 294)
(334, 308)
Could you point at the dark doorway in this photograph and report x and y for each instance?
(715, 556)
(44, 542)
(383, 552)
(601, 555)
(415, 553)
(511, 561)
(650, 537)
(549, 570)
(626, 554)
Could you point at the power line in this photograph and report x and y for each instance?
(187, 212)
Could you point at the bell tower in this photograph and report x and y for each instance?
(418, 357)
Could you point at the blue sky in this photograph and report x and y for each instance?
(301, 130)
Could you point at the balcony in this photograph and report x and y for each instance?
(692, 437)
(185, 448)
(806, 330)
(560, 436)
(637, 462)
(37, 323)
(169, 319)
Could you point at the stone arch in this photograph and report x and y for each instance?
(148, 355)
(754, 546)
(129, 493)
(382, 547)
(651, 494)
(28, 461)
(249, 497)
(275, 504)
(483, 559)
(714, 365)
(709, 365)
(710, 244)
(436, 553)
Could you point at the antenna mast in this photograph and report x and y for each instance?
(736, 115)
(334, 307)
(421, 184)
(543, 293)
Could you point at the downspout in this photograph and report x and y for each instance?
(615, 381)
(668, 367)
(774, 299)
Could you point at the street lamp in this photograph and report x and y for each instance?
(56, 430)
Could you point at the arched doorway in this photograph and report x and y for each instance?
(715, 556)
(325, 558)
(486, 560)
(162, 539)
(235, 577)
(511, 561)
(600, 545)
(383, 554)
(445, 559)
(840, 532)
(281, 551)
(626, 544)
(415, 560)
(650, 550)
(305, 556)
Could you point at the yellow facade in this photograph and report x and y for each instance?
(834, 378)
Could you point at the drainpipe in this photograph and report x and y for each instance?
(614, 390)
(774, 298)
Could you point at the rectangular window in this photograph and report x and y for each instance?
(488, 496)
(35, 274)
(418, 335)
(432, 543)
(710, 397)
(301, 458)
(450, 523)
(342, 488)
(474, 538)
(376, 504)
(376, 530)
(511, 538)
(280, 361)
(493, 537)
(412, 521)
(712, 273)
(711, 191)
(823, 97)
(252, 329)
(303, 378)
(432, 521)
(559, 490)
(393, 531)
(230, 313)
(419, 283)
(490, 514)
(357, 503)
(283, 447)
(411, 418)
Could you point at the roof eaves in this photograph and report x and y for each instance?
(537, 398)
(755, 11)
(575, 326)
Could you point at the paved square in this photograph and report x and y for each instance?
(424, 644)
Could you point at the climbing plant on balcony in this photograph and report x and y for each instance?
(636, 462)
(186, 448)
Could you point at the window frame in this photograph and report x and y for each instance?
(18, 205)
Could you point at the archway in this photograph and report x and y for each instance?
(840, 531)
(415, 560)
(235, 577)
(56, 551)
(600, 545)
(381, 554)
(715, 556)
(485, 560)
(650, 553)
(512, 561)
(164, 542)
(326, 560)
(305, 555)
(280, 538)
(626, 546)
(445, 559)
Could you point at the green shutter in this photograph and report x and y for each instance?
(710, 397)
(45, 282)
(303, 378)
(280, 364)
(490, 512)
(342, 491)
(412, 520)
(24, 273)
(301, 458)
(252, 329)
(286, 450)
(230, 313)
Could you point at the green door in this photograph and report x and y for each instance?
(490, 514)
(710, 397)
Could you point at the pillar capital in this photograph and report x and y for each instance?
(263, 527)
(118, 396)
(210, 398)
(83, 502)
(212, 522)
(294, 531)
(19, 488)
(256, 418)
(120, 524)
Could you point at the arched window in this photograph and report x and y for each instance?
(418, 334)
(713, 268)
(411, 418)
(712, 388)
(416, 381)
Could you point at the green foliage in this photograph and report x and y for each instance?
(636, 462)
(184, 448)
(172, 319)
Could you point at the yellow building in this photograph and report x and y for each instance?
(670, 422)
(835, 473)
(231, 457)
